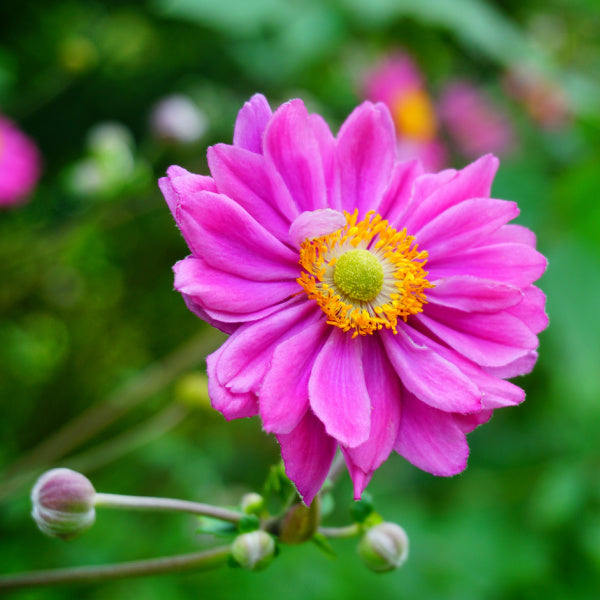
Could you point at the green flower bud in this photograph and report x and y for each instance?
(252, 503)
(300, 522)
(384, 547)
(63, 503)
(253, 551)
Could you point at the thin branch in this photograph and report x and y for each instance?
(166, 504)
(200, 561)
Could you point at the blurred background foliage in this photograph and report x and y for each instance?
(101, 363)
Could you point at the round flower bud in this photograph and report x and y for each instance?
(63, 503)
(252, 503)
(384, 547)
(253, 551)
(178, 119)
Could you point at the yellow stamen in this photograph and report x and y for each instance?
(401, 294)
(414, 116)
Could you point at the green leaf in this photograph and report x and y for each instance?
(248, 523)
(322, 543)
(216, 527)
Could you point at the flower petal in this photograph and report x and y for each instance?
(314, 223)
(230, 404)
(245, 357)
(472, 294)
(474, 181)
(520, 366)
(431, 439)
(366, 149)
(464, 225)
(429, 376)
(496, 392)
(515, 264)
(225, 292)
(490, 340)
(291, 147)
(399, 191)
(327, 146)
(251, 122)
(307, 453)
(284, 393)
(242, 176)
(338, 391)
(384, 390)
(229, 239)
(359, 478)
(531, 310)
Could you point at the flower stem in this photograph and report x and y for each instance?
(166, 504)
(200, 561)
(340, 532)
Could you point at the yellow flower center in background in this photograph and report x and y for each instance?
(364, 276)
(414, 116)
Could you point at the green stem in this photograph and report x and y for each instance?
(166, 504)
(340, 532)
(200, 561)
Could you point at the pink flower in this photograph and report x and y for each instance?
(474, 123)
(397, 82)
(19, 164)
(372, 307)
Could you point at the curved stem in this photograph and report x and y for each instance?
(166, 504)
(340, 532)
(201, 561)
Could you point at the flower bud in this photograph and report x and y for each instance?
(384, 547)
(178, 119)
(63, 503)
(252, 503)
(300, 522)
(253, 551)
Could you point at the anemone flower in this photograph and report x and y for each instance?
(398, 83)
(372, 307)
(19, 164)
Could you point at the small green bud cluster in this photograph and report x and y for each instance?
(384, 547)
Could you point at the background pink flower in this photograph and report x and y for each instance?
(373, 307)
(20, 164)
(474, 123)
(398, 83)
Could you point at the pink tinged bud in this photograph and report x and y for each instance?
(63, 503)
(384, 547)
(253, 551)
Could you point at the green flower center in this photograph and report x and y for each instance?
(359, 275)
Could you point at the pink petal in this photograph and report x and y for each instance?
(472, 294)
(307, 453)
(474, 181)
(225, 292)
(327, 147)
(230, 404)
(242, 176)
(315, 223)
(366, 147)
(229, 239)
(511, 233)
(291, 147)
(469, 422)
(225, 326)
(496, 392)
(431, 439)
(338, 392)
(490, 340)
(245, 357)
(181, 185)
(532, 309)
(464, 225)
(520, 366)
(384, 391)
(399, 192)
(284, 393)
(429, 376)
(251, 123)
(359, 478)
(515, 264)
